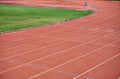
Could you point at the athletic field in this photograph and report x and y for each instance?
(83, 48)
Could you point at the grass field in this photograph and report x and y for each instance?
(18, 17)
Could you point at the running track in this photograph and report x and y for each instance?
(84, 48)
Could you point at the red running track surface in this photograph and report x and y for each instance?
(84, 48)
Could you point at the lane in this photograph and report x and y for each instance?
(78, 66)
(29, 47)
(109, 68)
(33, 56)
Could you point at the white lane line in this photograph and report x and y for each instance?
(69, 61)
(21, 45)
(100, 43)
(105, 44)
(65, 72)
(118, 77)
(104, 62)
(29, 37)
(30, 51)
(50, 55)
(18, 39)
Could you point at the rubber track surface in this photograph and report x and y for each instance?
(84, 48)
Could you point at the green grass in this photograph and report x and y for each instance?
(18, 17)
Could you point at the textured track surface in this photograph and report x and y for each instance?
(84, 48)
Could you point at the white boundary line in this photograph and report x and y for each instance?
(96, 66)
(102, 44)
(69, 61)
(50, 55)
(32, 42)
(16, 41)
